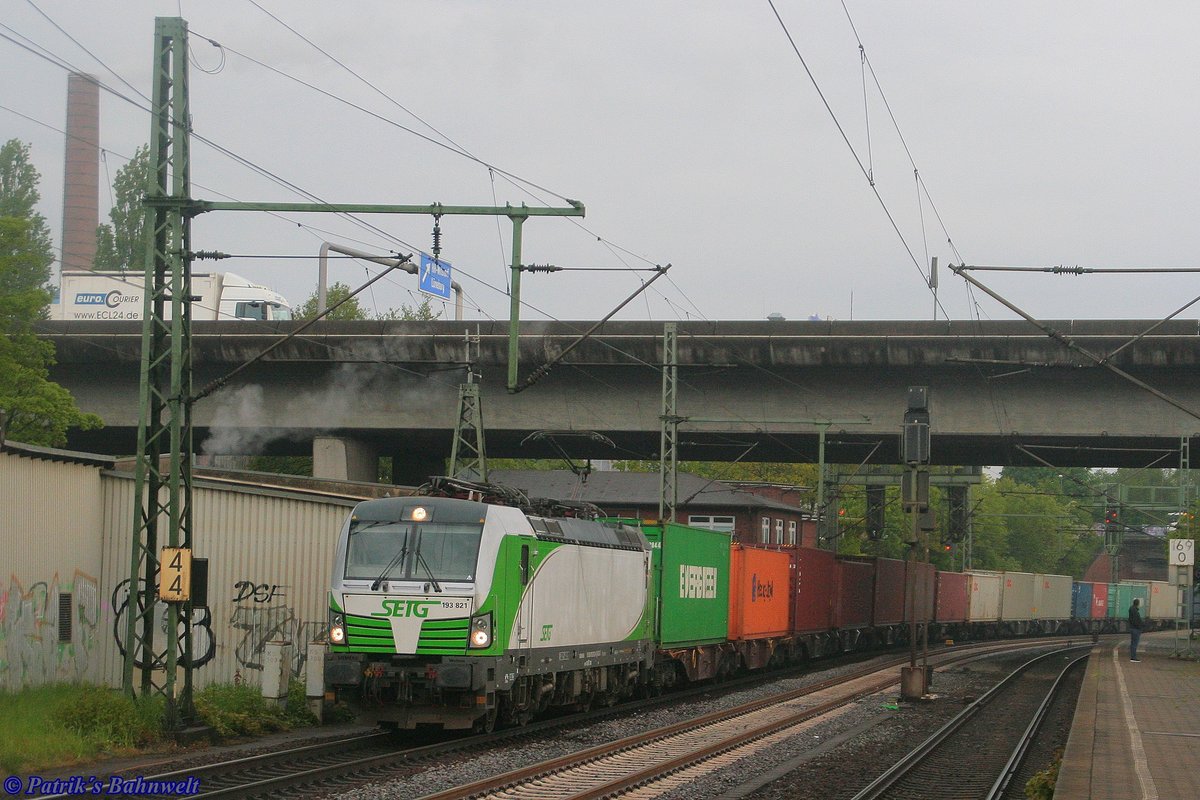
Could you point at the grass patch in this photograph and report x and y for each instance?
(241, 710)
(62, 724)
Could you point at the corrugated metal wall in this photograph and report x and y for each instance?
(51, 609)
(269, 555)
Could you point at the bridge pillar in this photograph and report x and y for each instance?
(414, 467)
(340, 459)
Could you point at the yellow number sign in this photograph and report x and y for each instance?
(175, 574)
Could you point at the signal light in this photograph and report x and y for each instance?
(947, 547)
(841, 512)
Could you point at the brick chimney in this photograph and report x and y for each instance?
(81, 176)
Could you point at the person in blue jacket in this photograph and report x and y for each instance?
(1135, 628)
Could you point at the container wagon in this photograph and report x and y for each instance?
(690, 584)
(984, 610)
(760, 605)
(1052, 601)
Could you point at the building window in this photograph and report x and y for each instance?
(778, 531)
(712, 523)
(791, 531)
(765, 535)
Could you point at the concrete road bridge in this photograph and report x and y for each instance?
(1002, 393)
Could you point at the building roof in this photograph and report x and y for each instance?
(54, 454)
(606, 488)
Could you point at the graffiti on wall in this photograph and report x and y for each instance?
(262, 614)
(48, 630)
(198, 629)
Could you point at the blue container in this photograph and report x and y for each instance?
(1081, 600)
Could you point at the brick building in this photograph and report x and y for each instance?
(703, 503)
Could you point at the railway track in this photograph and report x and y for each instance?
(977, 754)
(360, 758)
(325, 767)
(656, 761)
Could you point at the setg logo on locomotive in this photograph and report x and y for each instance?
(405, 608)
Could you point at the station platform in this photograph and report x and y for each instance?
(1136, 731)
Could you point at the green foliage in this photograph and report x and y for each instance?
(112, 719)
(423, 311)
(241, 710)
(1041, 785)
(122, 245)
(32, 409)
(63, 724)
(238, 710)
(350, 309)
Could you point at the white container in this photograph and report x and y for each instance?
(1051, 596)
(1164, 600)
(1016, 596)
(985, 596)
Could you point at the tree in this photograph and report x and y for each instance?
(420, 312)
(32, 408)
(351, 309)
(121, 245)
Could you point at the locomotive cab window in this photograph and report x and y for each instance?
(412, 551)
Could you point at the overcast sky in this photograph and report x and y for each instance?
(1045, 134)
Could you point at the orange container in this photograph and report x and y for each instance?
(759, 592)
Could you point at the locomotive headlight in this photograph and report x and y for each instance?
(481, 632)
(337, 629)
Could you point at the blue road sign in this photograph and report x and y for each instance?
(434, 277)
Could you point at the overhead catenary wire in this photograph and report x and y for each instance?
(853, 152)
(274, 176)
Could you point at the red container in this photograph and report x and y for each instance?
(855, 590)
(1099, 600)
(759, 592)
(890, 577)
(953, 595)
(815, 599)
(926, 588)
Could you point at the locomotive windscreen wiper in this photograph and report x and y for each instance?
(391, 565)
(437, 587)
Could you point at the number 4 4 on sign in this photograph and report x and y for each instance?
(1183, 552)
(175, 571)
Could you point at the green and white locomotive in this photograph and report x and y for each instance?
(461, 614)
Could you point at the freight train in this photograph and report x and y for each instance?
(464, 614)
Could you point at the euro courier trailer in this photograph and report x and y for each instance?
(690, 584)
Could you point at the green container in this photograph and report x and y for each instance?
(1120, 598)
(690, 584)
